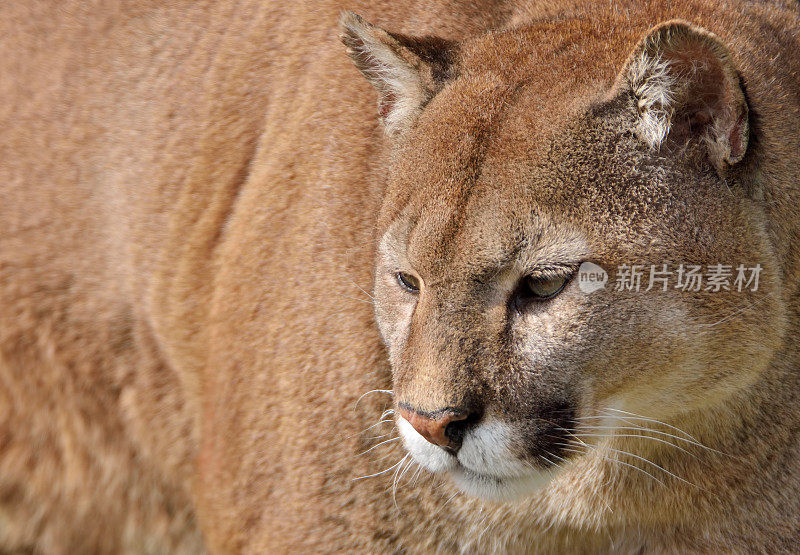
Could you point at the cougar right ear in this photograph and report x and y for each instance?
(406, 71)
(686, 86)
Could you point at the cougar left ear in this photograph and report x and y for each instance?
(406, 71)
(686, 86)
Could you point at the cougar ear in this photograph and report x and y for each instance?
(686, 87)
(406, 71)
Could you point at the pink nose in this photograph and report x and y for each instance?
(433, 427)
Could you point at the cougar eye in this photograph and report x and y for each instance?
(408, 282)
(539, 288)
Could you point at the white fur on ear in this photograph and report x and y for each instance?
(402, 69)
(686, 87)
(653, 84)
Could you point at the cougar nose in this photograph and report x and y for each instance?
(444, 428)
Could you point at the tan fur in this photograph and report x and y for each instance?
(192, 200)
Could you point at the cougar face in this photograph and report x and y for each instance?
(504, 369)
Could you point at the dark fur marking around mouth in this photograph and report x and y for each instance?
(555, 424)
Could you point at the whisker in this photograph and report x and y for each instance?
(449, 499)
(691, 439)
(378, 437)
(549, 462)
(614, 460)
(647, 461)
(388, 455)
(386, 391)
(405, 470)
(567, 462)
(354, 299)
(398, 475)
(378, 423)
(659, 432)
(368, 428)
(647, 419)
(362, 290)
(381, 472)
(627, 420)
(378, 445)
(643, 459)
(641, 436)
(562, 459)
(736, 313)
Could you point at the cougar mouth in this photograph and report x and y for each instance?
(499, 489)
(484, 466)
